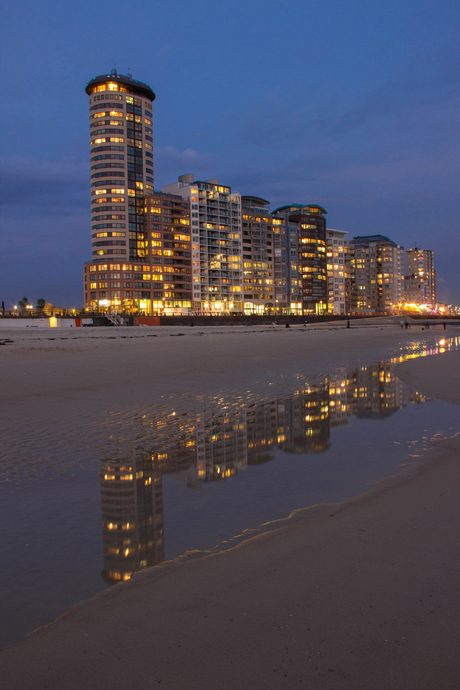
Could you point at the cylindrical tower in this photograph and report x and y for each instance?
(121, 150)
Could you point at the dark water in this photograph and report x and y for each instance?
(197, 477)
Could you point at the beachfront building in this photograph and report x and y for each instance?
(121, 156)
(305, 257)
(335, 252)
(286, 262)
(349, 275)
(420, 278)
(286, 268)
(160, 282)
(167, 221)
(216, 244)
(258, 275)
(377, 274)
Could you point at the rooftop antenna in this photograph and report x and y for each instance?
(129, 75)
(114, 72)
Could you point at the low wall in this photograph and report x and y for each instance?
(243, 320)
(45, 322)
(146, 321)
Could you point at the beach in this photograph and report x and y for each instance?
(360, 594)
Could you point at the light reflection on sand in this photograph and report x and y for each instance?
(203, 441)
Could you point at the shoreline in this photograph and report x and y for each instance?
(262, 656)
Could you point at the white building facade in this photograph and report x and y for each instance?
(335, 252)
(216, 244)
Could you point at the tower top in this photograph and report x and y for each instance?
(123, 82)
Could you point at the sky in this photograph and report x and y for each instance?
(352, 105)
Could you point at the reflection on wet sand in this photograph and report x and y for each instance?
(198, 448)
(132, 518)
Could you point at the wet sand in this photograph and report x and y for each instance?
(363, 594)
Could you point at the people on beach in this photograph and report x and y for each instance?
(348, 323)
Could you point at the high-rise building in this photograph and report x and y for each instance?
(121, 147)
(159, 283)
(121, 155)
(349, 275)
(167, 227)
(286, 262)
(307, 257)
(258, 287)
(420, 278)
(216, 244)
(336, 302)
(377, 268)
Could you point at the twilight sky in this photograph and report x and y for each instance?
(352, 105)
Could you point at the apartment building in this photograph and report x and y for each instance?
(336, 272)
(306, 257)
(216, 244)
(376, 265)
(161, 281)
(121, 156)
(420, 278)
(286, 262)
(258, 253)
(121, 153)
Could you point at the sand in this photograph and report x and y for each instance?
(363, 594)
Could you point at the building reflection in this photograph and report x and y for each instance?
(132, 517)
(213, 447)
(375, 391)
(303, 421)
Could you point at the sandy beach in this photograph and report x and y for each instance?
(361, 594)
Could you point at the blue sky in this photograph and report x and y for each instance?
(352, 105)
